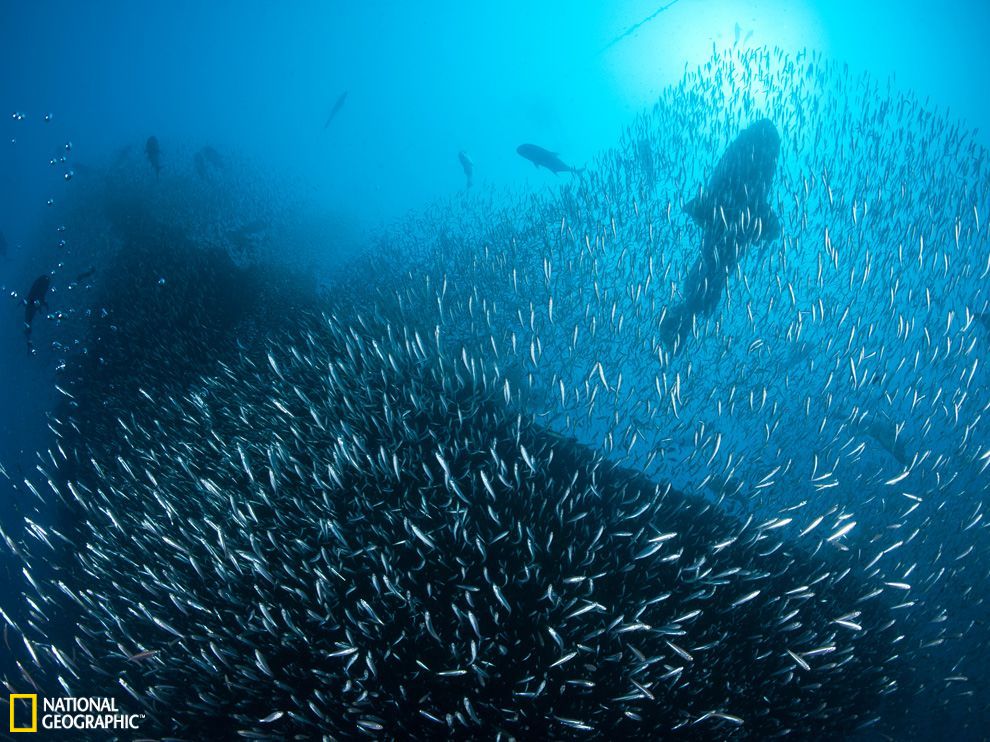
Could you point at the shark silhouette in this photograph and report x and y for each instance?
(733, 211)
(33, 302)
(545, 158)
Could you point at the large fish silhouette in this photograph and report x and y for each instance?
(545, 158)
(733, 211)
(154, 153)
(33, 302)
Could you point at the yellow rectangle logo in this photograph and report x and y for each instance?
(33, 697)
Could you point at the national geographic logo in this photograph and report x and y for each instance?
(32, 699)
(68, 714)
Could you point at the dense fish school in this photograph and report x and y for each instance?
(488, 499)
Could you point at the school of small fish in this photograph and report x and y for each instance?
(486, 499)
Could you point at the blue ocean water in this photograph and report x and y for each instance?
(316, 148)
